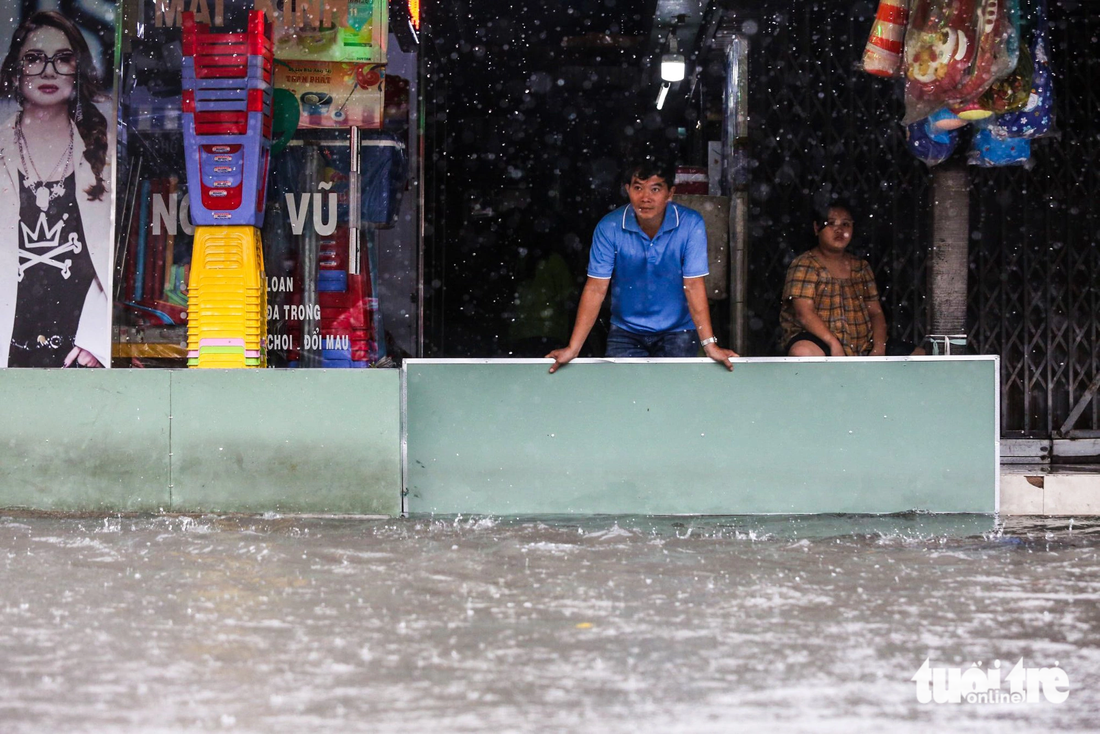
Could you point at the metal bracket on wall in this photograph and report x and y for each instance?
(1079, 408)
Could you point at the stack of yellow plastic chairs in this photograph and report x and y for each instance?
(227, 119)
(227, 321)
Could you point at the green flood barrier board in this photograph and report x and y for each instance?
(303, 441)
(503, 437)
(85, 440)
(309, 441)
(783, 436)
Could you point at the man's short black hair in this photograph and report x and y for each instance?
(821, 215)
(648, 167)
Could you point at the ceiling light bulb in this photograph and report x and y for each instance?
(672, 67)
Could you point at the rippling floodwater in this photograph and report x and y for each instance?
(290, 624)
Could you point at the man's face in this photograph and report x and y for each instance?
(649, 198)
(835, 232)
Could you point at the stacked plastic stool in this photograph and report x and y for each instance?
(227, 320)
(227, 104)
(227, 107)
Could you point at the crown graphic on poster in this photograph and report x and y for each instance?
(43, 235)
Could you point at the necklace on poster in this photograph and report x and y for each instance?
(43, 188)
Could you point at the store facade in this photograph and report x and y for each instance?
(336, 201)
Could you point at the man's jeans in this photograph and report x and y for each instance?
(623, 343)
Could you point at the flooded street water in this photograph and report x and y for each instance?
(291, 624)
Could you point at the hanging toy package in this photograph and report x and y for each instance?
(882, 54)
(954, 51)
(967, 61)
(1010, 92)
(997, 28)
(928, 141)
(989, 151)
(939, 50)
(1036, 119)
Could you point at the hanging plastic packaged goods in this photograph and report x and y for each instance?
(1036, 119)
(882, 55)
(939, 49)
(997, 52)
(989, 151)
(1011, 93)
(954, 51)
(930, 143)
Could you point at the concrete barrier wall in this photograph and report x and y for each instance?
(324, 441)
(687, 437)
(75, 439)
(504, 437)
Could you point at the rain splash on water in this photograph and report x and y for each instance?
(281, 624)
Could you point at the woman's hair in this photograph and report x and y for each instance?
(92, 125)
(821, 214)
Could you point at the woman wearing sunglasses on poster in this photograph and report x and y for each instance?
(55, 209)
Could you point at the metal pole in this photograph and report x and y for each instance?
(416, 163)
(309, 356)
(947, 260)
(354, 223)
(735, 130)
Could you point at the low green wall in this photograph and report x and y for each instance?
(306, 441)
(688, 437)
(77, 439)
(504, 437)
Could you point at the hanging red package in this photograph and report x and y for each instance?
(940, 46)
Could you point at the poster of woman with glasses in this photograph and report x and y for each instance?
(57, 150)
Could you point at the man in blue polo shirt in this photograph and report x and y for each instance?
(653, 256)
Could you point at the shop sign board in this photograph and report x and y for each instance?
(314, 30)
(333, 94)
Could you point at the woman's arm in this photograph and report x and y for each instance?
(878, 328)
(806, 315)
